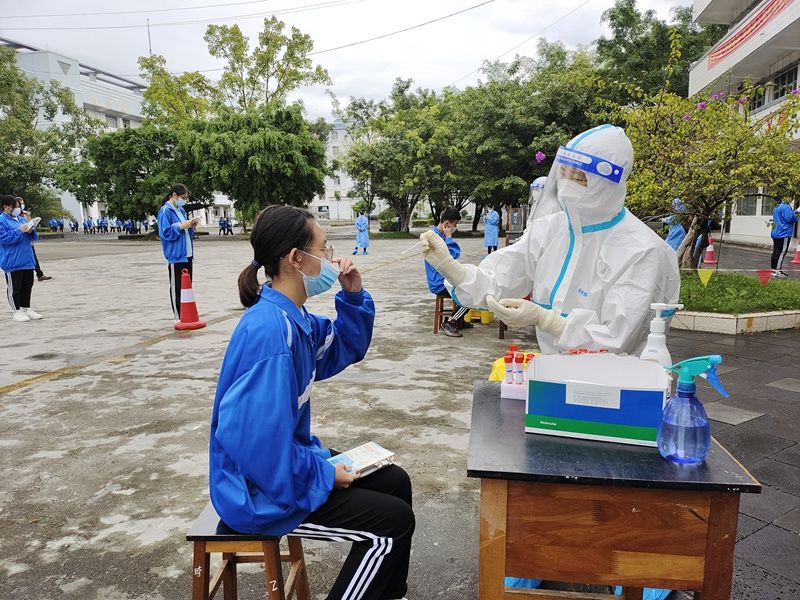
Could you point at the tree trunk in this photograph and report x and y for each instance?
(476, 218)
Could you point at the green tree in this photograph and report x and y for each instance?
(131, 170)
(638, 50)
(708, 153)
(278, 65)
(29, 152)
(359, 118)
(260, 157)
(175, 99)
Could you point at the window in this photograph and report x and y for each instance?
(757, 101)
(337, 180)
(334, 136)
(746, 206)
(785, 83)
(768, 203)
(126, 123)
(111, 121)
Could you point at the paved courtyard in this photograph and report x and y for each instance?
(104, 414)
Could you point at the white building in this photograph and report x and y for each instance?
(114, 100)
(762, 46)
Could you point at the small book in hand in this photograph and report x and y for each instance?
(364, 459)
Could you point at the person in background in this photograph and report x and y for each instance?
(448, 222)
(16, 258)
(222, 226)
(491, 229)
(677, 232)
(228, 227)
(263, 401)
(146, 224)
(175, 231)
(362, 233)
(60, 221)
(36, 267)
(783, 220)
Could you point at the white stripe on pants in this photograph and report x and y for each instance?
(10, 291)
(381, 546)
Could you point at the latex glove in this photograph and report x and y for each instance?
(517, 312)
(435, 251)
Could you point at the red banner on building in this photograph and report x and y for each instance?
(767, 13)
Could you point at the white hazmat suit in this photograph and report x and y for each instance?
(592, 268)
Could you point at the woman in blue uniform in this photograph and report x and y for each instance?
(17, 259)
(491, 228)
(267, 473)
(362, 233)
(175, 231)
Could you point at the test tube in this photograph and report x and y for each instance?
(519, 373)
(508, 359)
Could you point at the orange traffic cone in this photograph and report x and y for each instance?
(796, 259)
(709, 258)
(189, 317)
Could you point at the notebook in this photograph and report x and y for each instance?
(365, 459)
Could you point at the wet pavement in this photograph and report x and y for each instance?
(104, 415)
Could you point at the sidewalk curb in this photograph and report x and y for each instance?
(736, 324)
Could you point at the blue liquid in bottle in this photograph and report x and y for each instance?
(684, 435)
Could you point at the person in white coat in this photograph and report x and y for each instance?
(591, 268)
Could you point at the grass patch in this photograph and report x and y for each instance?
(737, 294)
(392, 235)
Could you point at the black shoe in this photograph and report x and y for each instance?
(450, 330)
(44, 278)
(466, 325)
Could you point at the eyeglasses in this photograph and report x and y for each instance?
(327, 249)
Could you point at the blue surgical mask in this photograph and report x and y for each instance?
(319, 284)
(16, 212)
(181, 202)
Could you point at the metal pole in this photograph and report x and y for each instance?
(149, 43)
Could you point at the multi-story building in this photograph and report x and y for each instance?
(113, 100)
(336, 204)
(762, 46)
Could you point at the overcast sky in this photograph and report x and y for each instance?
(435, 55)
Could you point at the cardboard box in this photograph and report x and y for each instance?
(596, 397)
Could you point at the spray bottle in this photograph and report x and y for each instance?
(656, 348)
(684, 435)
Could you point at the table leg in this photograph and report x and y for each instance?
(718, 576)
(492, 548)
(632, 593)
(200, 566)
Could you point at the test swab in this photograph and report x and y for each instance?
(410, 248)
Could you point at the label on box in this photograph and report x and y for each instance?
(587, 394)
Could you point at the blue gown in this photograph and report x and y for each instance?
(362, 232)
(491, 228)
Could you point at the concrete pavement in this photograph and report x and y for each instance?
(104, 415)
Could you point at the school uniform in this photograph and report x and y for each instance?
(178, 249)
(17, 260)
(268, 474)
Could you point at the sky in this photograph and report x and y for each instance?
(449, 51)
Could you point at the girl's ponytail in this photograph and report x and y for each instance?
(249, 288)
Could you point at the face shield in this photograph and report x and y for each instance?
(588, 177)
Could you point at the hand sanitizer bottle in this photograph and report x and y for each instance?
(684, 435)
(656, 348)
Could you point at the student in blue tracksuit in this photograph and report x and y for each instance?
(267, 473)
(175, 231)
(491, 229)
(448, 222)
(783, 220)
(16, 258)
(362, 233)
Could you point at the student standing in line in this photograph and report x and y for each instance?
(263, 401)
(175, 231)
(36, 267)
(783, 220)
(16, 258)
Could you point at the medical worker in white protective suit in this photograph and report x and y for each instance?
(591, 267)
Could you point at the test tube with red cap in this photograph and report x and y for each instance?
(519, 373)
(508, 359)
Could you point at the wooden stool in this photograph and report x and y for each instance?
(439, 312)
(210, 535)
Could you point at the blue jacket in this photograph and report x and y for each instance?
(176, 243)
(491, 227)
(435, 279)
(676, 232)
(266, 471)
(362, 232)
(16, 251)
(783, 220)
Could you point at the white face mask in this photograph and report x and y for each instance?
(16, 212)
(570, 193)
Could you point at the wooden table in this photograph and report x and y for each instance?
(580, 511)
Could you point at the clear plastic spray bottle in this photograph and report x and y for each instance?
(684, 435)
